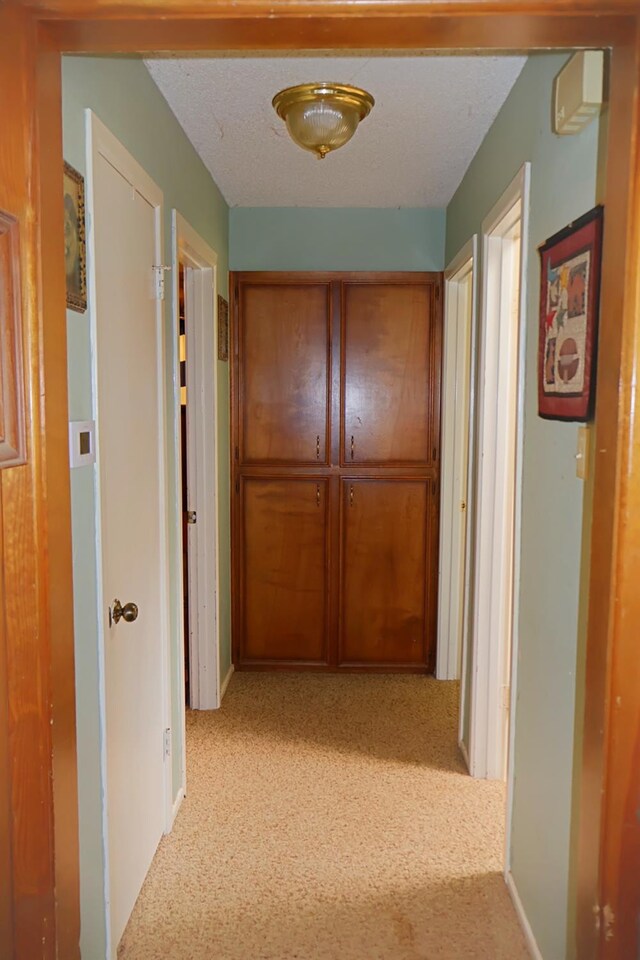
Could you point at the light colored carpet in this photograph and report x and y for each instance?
(329, 818)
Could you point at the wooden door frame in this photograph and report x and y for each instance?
(37, 724)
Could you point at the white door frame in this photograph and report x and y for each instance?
(200, 262)
(499, 482)
(101, 142)
(455, 487)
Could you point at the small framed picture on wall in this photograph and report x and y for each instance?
(570, 265)
(74, 241)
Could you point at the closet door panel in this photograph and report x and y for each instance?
(285, 344)
(284, 569)
(384, 571)
(387, 373)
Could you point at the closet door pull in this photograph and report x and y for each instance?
(317, 494)
(353, 446)
(351, 495)
(318, 447)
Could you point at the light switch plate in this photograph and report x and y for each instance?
(582, 454)
(82, 443)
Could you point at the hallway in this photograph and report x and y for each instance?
(329, 817)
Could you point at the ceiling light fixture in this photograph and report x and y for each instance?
(321, 117)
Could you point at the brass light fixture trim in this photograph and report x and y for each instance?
(322, 117)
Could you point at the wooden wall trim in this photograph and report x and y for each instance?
(35, 627)
(411, 30)
(81, 9)
(37, 623)
(24, 573)
(56, 489)
(13, 450)
(614, 608)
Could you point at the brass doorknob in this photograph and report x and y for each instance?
(129, 612)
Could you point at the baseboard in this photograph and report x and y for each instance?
(465, 754)
(532, 946)
(225, 683)
(177, 803)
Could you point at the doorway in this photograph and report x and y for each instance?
(194, 266)
(457, 463)
(496, 534)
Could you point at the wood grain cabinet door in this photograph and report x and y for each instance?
(285, 349)
(284, 570)
(385, 574)
(388, 373)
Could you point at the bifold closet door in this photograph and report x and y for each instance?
(384, 608)
(284, 585)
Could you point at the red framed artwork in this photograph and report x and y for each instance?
(569, 301)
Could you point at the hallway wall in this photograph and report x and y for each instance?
(124, 97)
(554, 554)
(314, 238)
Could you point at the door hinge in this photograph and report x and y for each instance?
(167, 743)
(191, 516)
(159, 271)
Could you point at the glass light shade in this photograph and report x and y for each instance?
(321, 117)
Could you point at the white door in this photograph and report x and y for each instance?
(126, 224)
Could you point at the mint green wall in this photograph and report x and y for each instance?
(122, 94)
(564, 176)
(313, 238)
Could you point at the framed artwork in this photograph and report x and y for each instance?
(74, 243)
(569, 299)
(223, 328)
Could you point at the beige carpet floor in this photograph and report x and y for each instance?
(329, 818)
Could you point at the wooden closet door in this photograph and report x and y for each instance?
(284, 569)
(384, 571)
(285, 351)
(388, 374)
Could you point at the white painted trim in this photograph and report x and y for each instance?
(203, 446)
(91, 299)
(458, 330)
(471, 502)
(101, 142)
(464, 752)
(532, 946)
(517, 546)
(177, 803)
(225, 682)
(499, 482)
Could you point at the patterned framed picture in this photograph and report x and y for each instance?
(74, 242)
(570, 265)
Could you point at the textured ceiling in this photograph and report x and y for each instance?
(430, 117)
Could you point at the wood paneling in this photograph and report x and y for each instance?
(385, 571)
(284, 569)
(12, 433)
(285, 350)
(387, 381)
